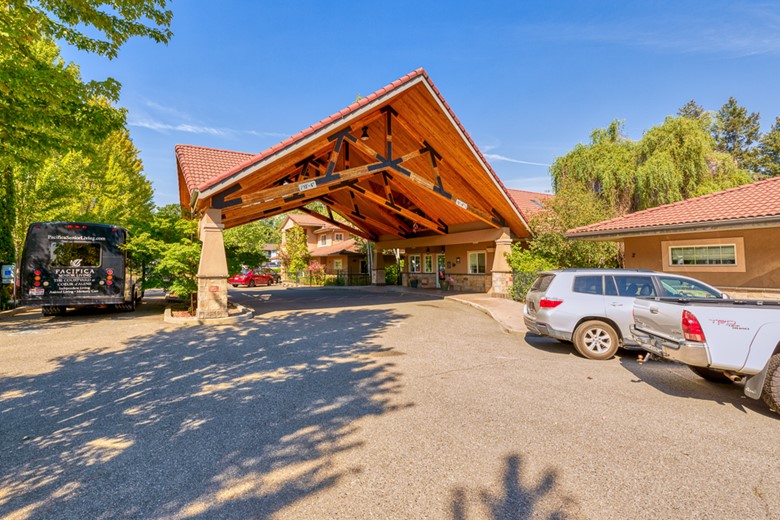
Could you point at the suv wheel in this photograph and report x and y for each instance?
(596, 340)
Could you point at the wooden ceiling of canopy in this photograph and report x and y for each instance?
(413, 174)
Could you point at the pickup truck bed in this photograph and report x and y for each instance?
(736, 338)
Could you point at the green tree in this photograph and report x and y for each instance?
(44, 105)
(676, 160)
(94, 26)
(574, 205)
(672, 161)
(243, 244)
(606, 166)
(769, 150)
(737, 133)
(294, 253)
(167, 245)
(691, 110)
(106, 184)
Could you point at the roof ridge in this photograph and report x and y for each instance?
(316, 126)
(533, 192)
(222, 150)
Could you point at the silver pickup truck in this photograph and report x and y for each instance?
(720, 340)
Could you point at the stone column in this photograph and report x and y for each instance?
(378, 267)
(212, 270)
(501, 272)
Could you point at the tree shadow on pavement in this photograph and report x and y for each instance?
(515, 500)
(679, 381)
(224, 422)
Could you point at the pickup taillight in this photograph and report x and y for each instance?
(692, 328)
(549, 303)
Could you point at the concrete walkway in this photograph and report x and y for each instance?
(508, 313)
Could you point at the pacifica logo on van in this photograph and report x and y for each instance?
(79, 271)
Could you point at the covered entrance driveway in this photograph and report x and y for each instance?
(397, 166)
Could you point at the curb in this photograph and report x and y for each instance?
(246, 314)
(486, 310)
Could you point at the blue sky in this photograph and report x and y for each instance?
(528, 80)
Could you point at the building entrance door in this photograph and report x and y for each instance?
(441, 264)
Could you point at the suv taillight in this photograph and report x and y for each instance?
(549, 303)
(692, 328)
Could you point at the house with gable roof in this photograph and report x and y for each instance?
(729, 239)
(329, 245)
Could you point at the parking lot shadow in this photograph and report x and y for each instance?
(193, 422)
(515, 500)
(677, 380)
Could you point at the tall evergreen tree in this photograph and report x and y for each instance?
(769, 151)
(737, 133)
(691, 110)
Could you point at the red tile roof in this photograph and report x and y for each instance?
(199, 164)
(732, 206)
(529, 202)
(343, 247)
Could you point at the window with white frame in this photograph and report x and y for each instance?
(477, 261)
(718, 254)
(428, 265)
(338, 237)
(323, 240)
(337, 264)
(414, 263)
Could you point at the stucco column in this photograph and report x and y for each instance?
(377, 267)
(212, 270)
(501, 272)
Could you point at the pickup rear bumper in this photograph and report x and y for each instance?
(687, 352)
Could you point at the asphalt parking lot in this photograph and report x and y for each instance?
(348, 404)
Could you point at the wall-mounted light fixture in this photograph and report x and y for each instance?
(457, 259)
(364, 135)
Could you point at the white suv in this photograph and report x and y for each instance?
(593, 307)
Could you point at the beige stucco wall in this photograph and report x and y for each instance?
(758, 258)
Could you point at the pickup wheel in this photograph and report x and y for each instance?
(771, 392)
(596, 340)
(713, 376)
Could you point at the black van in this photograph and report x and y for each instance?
(77, 264)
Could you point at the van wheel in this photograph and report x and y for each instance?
(53, 310)
(596, 340)
(713, 376)
(771, 392)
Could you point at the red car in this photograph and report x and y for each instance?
(250, 278)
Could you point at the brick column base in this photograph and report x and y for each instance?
(378, 277)
(212, 297)
(502, 284)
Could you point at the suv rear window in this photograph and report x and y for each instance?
(588, 285)
(543, 282)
